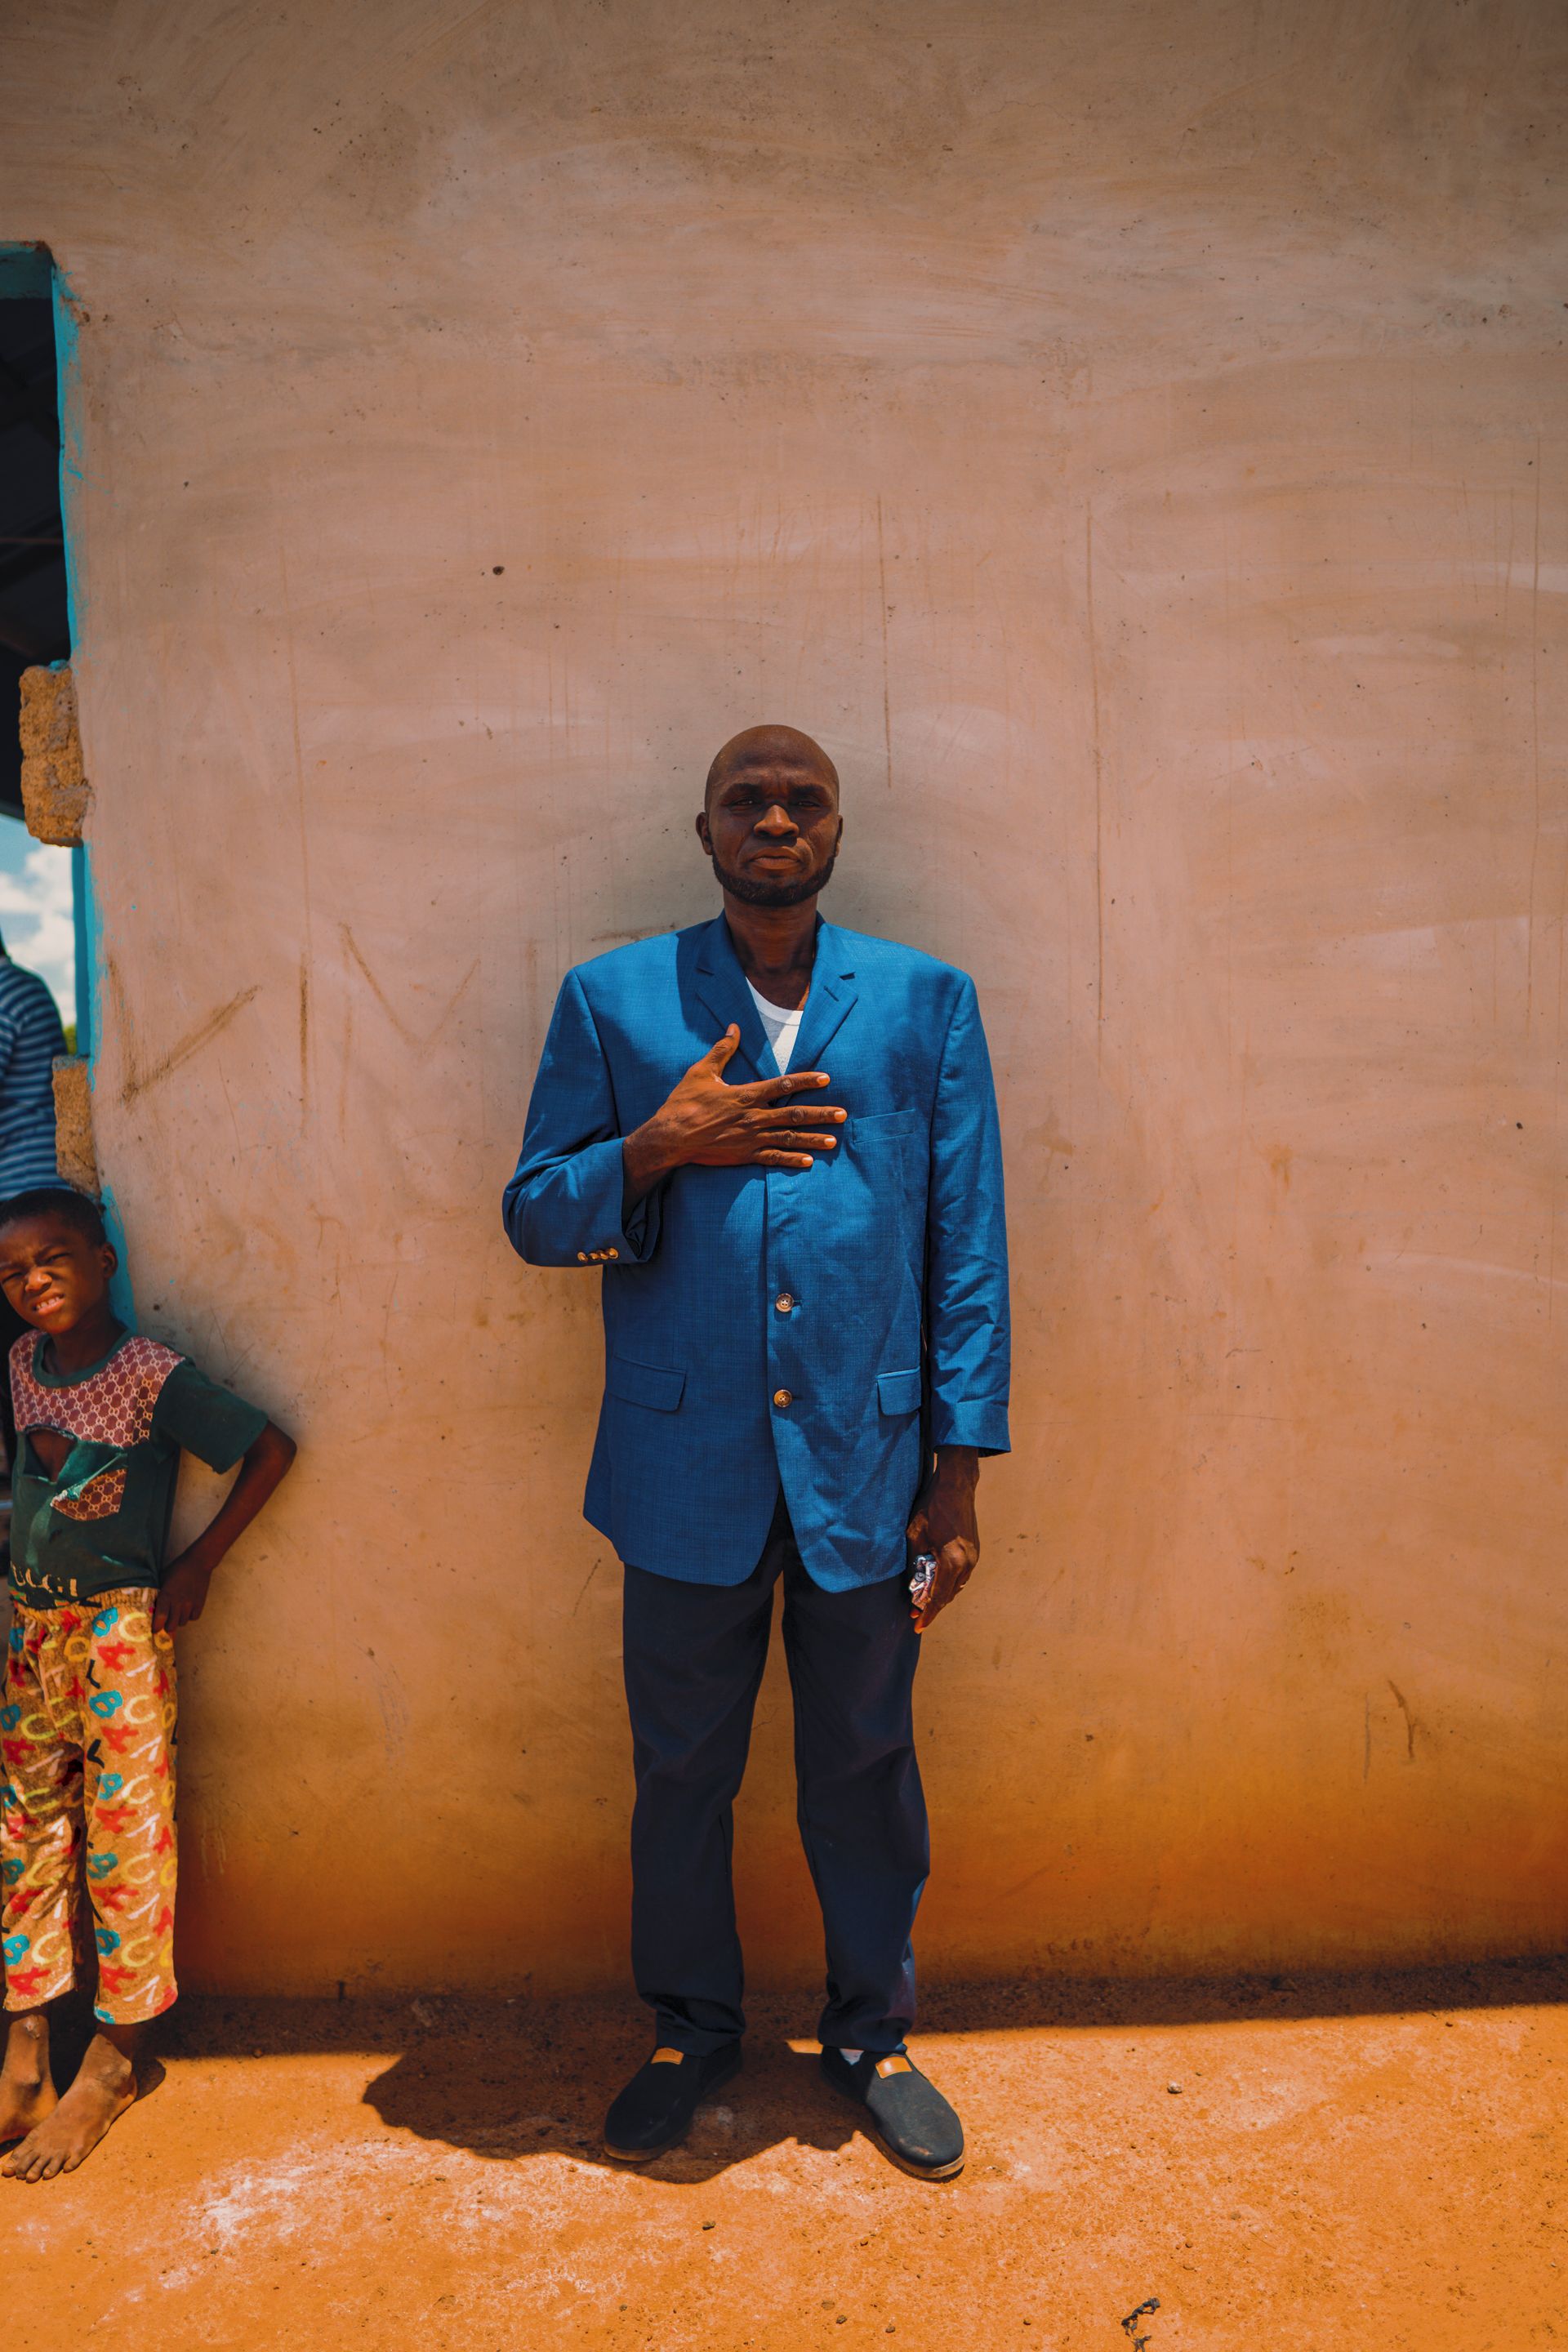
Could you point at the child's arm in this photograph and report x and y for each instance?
(182, 1594)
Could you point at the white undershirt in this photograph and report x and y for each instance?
(782, 1025)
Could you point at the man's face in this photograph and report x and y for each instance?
(772, 825)
(52, 1273)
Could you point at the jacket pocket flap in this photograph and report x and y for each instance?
(898, 1391)
(882, 1125)
(648, 1384)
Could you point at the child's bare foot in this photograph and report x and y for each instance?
(105, 2088)
(26, 2087)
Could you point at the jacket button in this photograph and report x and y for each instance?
(783, 1303)
(782, 1396)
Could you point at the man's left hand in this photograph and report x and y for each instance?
(943, 1524)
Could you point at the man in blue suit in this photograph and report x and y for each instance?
(807, 1357)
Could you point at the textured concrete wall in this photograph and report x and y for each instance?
(1131, 438)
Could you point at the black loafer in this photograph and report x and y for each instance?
(904, 2112)
(656, 2109)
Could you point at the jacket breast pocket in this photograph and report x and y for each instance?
(646, 1385)
(898, 1391)
(886, 1126)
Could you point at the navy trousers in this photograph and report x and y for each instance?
(694, 1655)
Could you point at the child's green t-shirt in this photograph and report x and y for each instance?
(104, 1521)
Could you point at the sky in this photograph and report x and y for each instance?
(36, 910)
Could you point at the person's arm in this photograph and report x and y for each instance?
(182, 1594)
(968, 1336)
(563, 1205)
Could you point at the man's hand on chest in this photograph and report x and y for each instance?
(706, 1123)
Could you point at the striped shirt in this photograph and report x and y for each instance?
(30, 1037)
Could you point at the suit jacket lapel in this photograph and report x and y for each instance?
(833, 991)
(722, 986)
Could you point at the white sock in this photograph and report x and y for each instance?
(850, 2057)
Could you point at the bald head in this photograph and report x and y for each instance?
(770, 818)
(780, 749)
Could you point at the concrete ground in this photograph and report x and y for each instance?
(1293, 2166)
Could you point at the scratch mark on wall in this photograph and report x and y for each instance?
(139, 1078)
(1098, 817)
(1534, 850)
(304, 1027)
(1534, 750)
(410, 1036)
(1556, 1070)
(392, 1705)
(886, 697)
(347, 1066)
(300, 797)
(1399, 1700)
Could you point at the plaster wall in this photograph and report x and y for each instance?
(1132, 439)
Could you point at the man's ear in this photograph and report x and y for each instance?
(702, 831)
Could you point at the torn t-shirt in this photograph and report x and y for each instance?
(104, 1521)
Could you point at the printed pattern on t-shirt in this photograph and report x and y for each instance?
(114, 1407)
(95, 1498)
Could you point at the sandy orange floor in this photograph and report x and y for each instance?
(1361, 2163)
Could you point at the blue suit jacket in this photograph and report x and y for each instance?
(892, 1249)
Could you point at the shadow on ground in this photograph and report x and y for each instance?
(516, 2077)
(448, 2089)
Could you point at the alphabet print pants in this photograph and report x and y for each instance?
(86, 1736)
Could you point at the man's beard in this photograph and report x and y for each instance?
(775, 893)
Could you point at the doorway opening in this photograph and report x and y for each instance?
(43, 888)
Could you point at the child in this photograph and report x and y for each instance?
(87, 1726)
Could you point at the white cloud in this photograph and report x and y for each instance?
(36, 922)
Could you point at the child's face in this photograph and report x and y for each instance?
(52, 1274)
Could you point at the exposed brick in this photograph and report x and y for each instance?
(75, 1155)
(55, 794)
